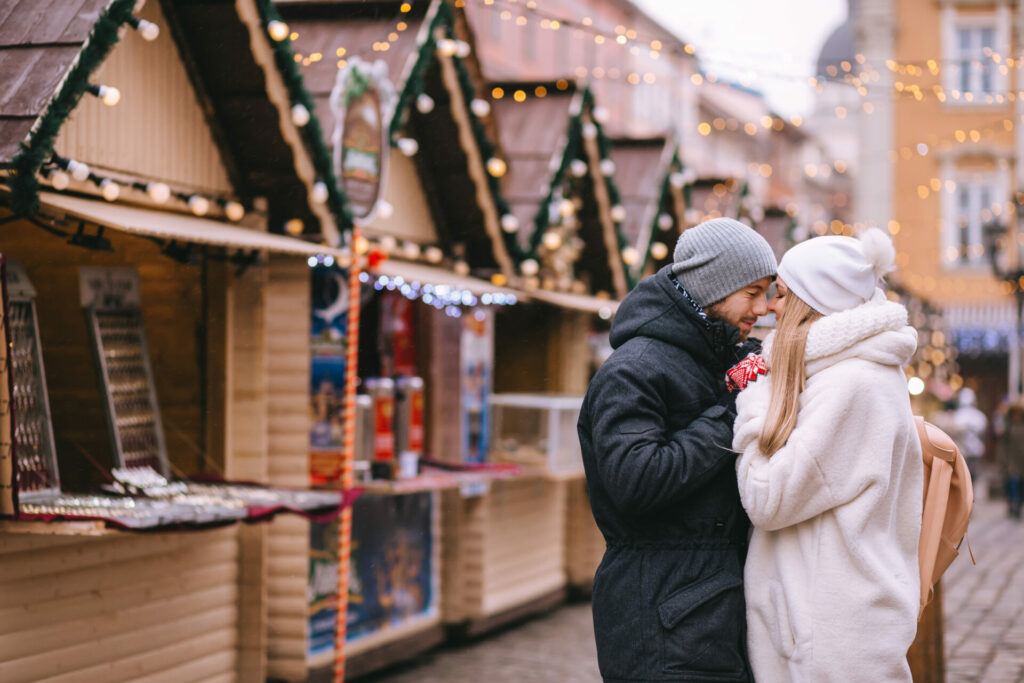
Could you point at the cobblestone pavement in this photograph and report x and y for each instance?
(984, 631)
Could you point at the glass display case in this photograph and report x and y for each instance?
(536, 429)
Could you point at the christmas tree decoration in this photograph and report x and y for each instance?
(509, 223)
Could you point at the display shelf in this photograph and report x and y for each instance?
(536, 430)
(436, 479)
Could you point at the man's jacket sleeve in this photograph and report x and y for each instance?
(643, 465)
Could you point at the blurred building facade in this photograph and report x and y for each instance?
(939, 112)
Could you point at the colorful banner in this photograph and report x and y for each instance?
(393, 573)
(477, 364)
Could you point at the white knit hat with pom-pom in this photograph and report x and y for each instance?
(833, 274)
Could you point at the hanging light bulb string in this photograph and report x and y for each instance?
(302, 111)
(38, 148)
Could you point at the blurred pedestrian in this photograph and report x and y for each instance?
(656, 434)
(1011, 457)
(969, 432)
(830, 473)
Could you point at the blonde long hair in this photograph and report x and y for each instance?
(787, 372)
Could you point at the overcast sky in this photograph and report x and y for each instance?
(770, 45)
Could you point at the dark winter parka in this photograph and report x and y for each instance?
(656, 434)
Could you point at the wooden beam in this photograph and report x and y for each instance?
(611, 242)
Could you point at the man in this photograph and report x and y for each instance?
(656, 433)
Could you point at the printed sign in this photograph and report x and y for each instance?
(477, 346)
(109, 288)
(362, 101)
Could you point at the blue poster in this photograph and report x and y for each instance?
(392, 562)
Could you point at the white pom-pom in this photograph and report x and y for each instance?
(879, 251)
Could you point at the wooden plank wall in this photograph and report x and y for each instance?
(508, 546)
(288, 378)
(153, 607)
(172, 310)
(246, 454)
(584, 544)
(157, 130)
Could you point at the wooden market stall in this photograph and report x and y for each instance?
(153, 205)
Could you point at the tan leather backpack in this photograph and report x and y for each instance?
(948, 500)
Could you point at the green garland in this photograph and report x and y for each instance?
(675, 165)
(416, 82)
(572, 150)
(312, 133)
(39, 147)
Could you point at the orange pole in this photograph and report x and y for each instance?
(348, 449)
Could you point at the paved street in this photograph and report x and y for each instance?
(984, 625)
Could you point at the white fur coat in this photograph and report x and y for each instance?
(831, 577)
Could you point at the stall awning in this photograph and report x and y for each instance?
(175, 226)
(590, 304)
(416, 272)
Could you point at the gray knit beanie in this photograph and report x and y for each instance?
(720, 256)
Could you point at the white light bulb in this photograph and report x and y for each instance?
(300, 115)
(757, 214)
(311, 261)
(665, 221)
(552, 240)
(566, 207)
(618, 213)
(234, 211)
(600, 114)
(607, 167)
(915, 385)
(447, 47)
(630, 256)
(509, 223)
(659, 250)
(109, 189)
(480, 107)
(278, 30)
(110, 95)
(424, 103)
(408, 146)
(388, 243)
(578, 168)
(462, 49)
(689, 176)
(529, 267)
(199, 205)
(328, 260)
(589, 130)
(78, 170)
(433, 254)
(319, 192)
(605, 312)
(461, 268)
(149, 30)
(496, 167)
(294, 226)
(411, 250)
(158, 192)
(677, 180)
(384, 209)
(59, 179)
(692, 216)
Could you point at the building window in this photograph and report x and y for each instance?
(975, 204)
(974, 48)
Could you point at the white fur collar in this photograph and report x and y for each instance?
(876, 330)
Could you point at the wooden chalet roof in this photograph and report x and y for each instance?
(640, 167)
(532, 135)
(39, 41)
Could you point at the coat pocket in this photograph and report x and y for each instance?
(704, 628)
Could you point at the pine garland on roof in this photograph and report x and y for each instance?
(39, 147)
(312, 133)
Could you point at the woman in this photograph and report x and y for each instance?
(830, 473)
